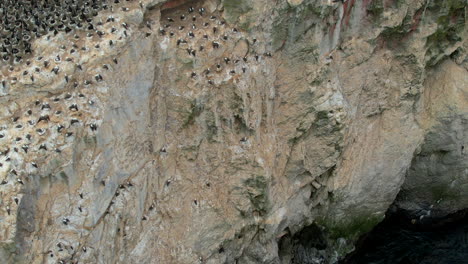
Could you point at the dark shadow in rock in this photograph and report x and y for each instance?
(402, 239)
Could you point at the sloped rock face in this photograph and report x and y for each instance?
(214, 135)
(435, 185)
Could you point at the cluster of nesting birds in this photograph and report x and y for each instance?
(45, 127)
(21, 21)
(201, 33)
(48, 126)
(99, 34)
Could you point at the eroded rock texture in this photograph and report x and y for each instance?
(214, 131)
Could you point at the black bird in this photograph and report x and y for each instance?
(73, 107)
(98, 78)
(44, 118)
(74, 121)
(201, 11)
(55, 70)
(45, 106)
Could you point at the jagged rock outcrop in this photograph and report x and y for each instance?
(215, 131)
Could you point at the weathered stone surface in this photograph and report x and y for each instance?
(171, 163)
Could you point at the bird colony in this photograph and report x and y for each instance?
(50, 42)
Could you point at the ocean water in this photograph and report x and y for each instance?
(399, 241)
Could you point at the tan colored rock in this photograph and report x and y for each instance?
(182, 152)
(295, 2)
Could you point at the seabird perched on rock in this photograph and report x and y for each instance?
(45, 106)
(44, 118)
(98, 78)
(201, 11)
(25, 148)
(65, 221)
(40, 131)
(56, 69)
(73, 107)
(74, 121)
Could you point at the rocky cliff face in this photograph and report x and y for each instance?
(215, 135)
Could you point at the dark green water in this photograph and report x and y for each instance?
(398, 241)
